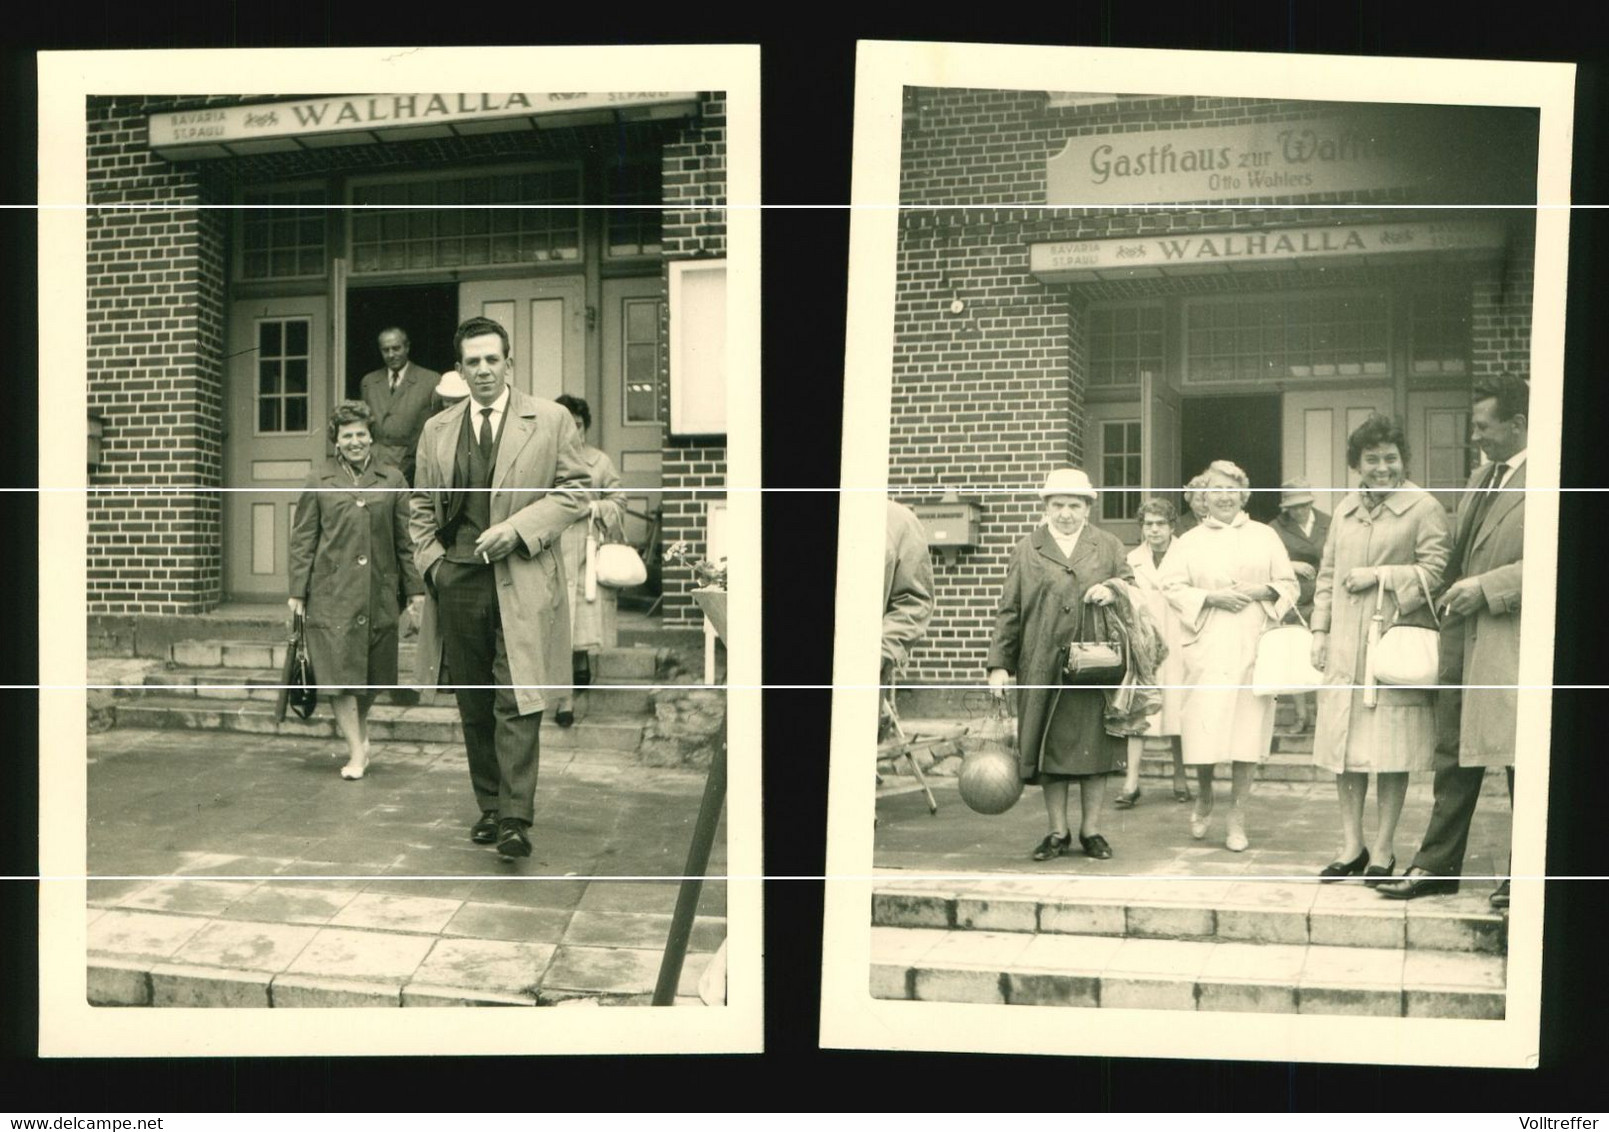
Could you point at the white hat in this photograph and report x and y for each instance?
(1068, 481)
(452, 386)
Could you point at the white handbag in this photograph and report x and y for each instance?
(1407, 654)
(1285, 662)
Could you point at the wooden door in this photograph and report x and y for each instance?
(1315, 425)
(277, 394)
(546, 324)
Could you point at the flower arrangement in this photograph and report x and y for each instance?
(704, 573)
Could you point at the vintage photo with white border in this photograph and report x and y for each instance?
(280, 266)
(1176, 405)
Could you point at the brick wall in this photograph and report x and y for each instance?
(155, 310)
(993, 396)
(694, 186)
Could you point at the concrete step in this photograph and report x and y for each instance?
(1086, 970)
(165, 710)
(262, 684)
(613, 666)
(1204, 910)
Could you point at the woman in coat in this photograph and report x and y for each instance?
(1389, 540)
(1229, 579)
(350, 557)
(1156, 528)
(592, 623)
(1055, 574)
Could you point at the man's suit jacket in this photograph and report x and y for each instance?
(538, 455)
(1485, 648)
(399, 417)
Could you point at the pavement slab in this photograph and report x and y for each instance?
(241, 870)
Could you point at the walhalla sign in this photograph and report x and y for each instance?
(235, 125)
(1085, 261)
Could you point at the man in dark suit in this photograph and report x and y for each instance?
(1480, 641)
(399, 396)
(493, 496)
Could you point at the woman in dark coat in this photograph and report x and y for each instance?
(1055, 573)
(350, 557)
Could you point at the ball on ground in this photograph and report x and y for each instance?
(990, 782)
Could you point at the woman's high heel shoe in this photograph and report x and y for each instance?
(1336, 870)
(1199, 822)
(1379, 874)
(352, 773)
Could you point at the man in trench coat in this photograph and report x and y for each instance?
(1480, 640)
(490, 501)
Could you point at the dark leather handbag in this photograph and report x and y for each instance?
(1100, 655)
(298, 689)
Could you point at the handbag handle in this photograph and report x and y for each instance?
(1424, 587)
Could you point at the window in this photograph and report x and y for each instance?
(639, 373)
(282, 375)
(1123, 342)
(1446, 453)
(634, 231)
(1120, 468)
(1438, 332)
(414, 232)
(285, 241)
(1320, 334)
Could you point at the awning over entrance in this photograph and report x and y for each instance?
(1269, 249)
(341, 120)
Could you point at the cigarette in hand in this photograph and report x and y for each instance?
(485, 559)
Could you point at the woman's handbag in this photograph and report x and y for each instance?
(1100, 655)
(298, 689)
(1407, 653)
(617, 564)
(1285, 661)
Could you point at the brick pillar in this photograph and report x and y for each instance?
(155, 371)
(694, 180)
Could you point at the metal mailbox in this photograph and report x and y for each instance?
(949, 523)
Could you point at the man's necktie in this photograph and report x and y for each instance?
(1483, 504)
(485, 434)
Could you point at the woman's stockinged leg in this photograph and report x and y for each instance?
(1055, 792)
(1351, 789)
(1131, 777)
(1091, 798)
(1390, 791)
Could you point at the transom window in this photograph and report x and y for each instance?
(415, 233)
(1317, 334)
(1120, 468)
(283, 242)
(1124, 342)
(639, 375)
(282, 375)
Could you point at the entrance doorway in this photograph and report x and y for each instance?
(1245, 430)
(428, 313)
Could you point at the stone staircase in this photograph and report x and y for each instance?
(228, 684)
(1188, 943)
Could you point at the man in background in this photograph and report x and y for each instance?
(400, 397)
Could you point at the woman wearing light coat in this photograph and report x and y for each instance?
(1388, 541)
(1229, 579)
(1157, 517)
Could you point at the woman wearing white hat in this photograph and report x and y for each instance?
(1056, 572)
(1229, 579)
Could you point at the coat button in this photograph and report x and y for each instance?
(363, 560)
(361, 503)
(362, 620)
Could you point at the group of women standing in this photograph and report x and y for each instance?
(1212, 592)
(352, 573)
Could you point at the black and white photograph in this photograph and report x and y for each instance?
(409, 423)
(1204, 422)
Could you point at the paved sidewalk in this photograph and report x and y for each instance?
(1294, 830)
(272, 819)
